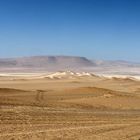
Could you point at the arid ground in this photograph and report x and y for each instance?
(84, 108)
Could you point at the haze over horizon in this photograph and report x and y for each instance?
(95, 29)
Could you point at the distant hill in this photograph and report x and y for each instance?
(116, 63)
(54, 63)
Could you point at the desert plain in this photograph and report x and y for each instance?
(69, 108)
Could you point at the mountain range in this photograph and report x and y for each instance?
(57, 63)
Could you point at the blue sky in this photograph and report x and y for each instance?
(97, 29)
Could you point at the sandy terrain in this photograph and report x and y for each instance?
(83, 108)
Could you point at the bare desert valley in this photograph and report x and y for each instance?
(69, 69)
(69, 106)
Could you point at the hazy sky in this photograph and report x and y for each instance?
(100, 29)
